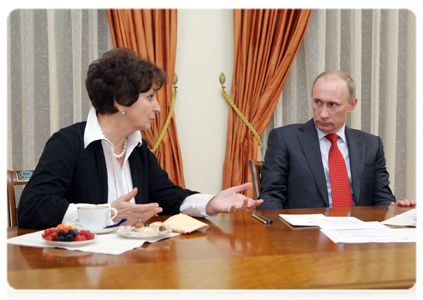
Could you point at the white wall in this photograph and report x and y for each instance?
(204, 50)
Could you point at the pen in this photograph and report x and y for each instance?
(268, 221)
(259, 219)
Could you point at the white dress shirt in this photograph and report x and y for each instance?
(119, 179)
(325, 145)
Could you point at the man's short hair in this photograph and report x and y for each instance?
(342, 75)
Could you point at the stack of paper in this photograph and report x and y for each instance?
(378, 234)
(301, 220)
(353, 230)
(341, 223)
(408, 218)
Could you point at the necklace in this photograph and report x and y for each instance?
(125, 144)
(123, 151)
(114, 176)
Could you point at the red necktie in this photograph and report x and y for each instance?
(339, 182)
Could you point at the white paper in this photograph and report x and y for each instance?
(341, 223)
(111, 243)
(407, 218)
(301, 220)
(379, 234)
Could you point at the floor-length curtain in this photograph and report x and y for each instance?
(153, 33)
(377, 48)
(47, 53)
(48, 56)
(265, 44)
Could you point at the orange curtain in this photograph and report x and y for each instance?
(152, 33)
(265, 44)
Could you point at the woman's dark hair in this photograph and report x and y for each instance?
(121, 75)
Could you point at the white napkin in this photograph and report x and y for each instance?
(111, 243)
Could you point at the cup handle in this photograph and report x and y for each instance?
(115, 211)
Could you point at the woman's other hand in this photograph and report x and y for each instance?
(135, 213)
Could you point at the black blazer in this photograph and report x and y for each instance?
(68, 173)
(293, 175)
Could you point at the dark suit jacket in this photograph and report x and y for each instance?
(293, 176)
(68, 173)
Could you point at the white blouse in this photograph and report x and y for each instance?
(119, 179)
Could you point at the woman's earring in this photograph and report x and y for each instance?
(123, 113)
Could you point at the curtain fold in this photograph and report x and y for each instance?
(265, 44)
(153, 33)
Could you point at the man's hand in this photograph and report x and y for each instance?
(229, 201)
(135, 213)
(404, 202)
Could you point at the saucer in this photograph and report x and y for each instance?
(104, 230)
(71, 244)
(145, 237)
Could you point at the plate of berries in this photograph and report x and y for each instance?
(63, 235)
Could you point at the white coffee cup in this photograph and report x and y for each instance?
(93, 217)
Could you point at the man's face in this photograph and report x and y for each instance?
(330, 104)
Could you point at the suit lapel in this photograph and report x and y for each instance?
(309, 141)
(356, 152)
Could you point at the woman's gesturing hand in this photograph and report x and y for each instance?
(135, 213)
(230, 200)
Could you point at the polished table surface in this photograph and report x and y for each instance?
(234, 252)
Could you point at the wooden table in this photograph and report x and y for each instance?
(234, 252)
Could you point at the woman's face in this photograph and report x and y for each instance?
(142, 113)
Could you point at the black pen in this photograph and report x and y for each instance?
(268, 221)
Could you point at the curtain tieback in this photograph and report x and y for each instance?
(231, 103)
(174, 95)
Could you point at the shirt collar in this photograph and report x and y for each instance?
(340, 133)
(93, 131)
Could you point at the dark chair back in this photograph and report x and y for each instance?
(15, 178)
(255, 167)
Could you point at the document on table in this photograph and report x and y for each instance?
(379, 234)
(407, 218)
(320, 220)
(301, 220)
(341, 223)
(353, 230)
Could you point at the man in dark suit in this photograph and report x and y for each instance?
(296, 173)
